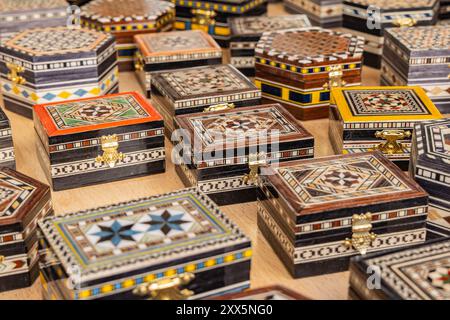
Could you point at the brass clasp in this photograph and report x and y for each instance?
(203, 17)
(220, 107)
(255, 161)
(335, 75)
(110, 155)
(392, 146)
(405, 22)
(139, 61)
(13, 75)
(167, 289)
(362, 238)
(2, 259)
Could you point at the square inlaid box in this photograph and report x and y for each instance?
(212, 16)
(297, 68)
(317, 214)
(225, 148)
(183, 91)
(23, 201)
(173, 246)
(378, 118)
(417, 273)
(246, 32)
(173, 50)
(419, 56)
(7, 156)
(20, 15)
(323, 13)
(97, 140)
(126, 18)
(56, 64)
(370, 19)
(430, 160)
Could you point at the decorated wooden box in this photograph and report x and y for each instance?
(246, 32)
(170, 247)
(183, 91)
(126, 18)
(370, 18)
(430, 160)
(17, 15)
(318, 213)
(378, 118)
(272, 293)
(444, 11)
(418, 273)
(54, 65)
(97, 140)
(324, 13)
(222, 149)
(297, 68)
(419, 56)
(7, 157)
(212, 15)
(173, 50)
(23, 201)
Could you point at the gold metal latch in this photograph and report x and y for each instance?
(391, 145)
(362, 238)
(220, 107)
(255, 161)
(167, 289)
(13, 75)
(2, 259)
(110, 155)
(203, 17)
(139, 61)
(405, 22)
(335, 78)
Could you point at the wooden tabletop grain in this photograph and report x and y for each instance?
(266, 268)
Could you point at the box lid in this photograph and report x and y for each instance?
(418, 273)
(429, 43)
(21, 199)
(433, 147)
(141, 236)
(381, 107)
(204, 86)
(93, 117)
(247, 129)
(339, 183)
(166, 47)
(139, 15)
(254, 27)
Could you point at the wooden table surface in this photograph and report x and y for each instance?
(266, 268)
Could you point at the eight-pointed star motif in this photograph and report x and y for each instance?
(117, 234)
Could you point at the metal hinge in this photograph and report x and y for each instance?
(362, 238)
(166, 289)
(203, 17)
(335, 78)
(255, 161)
(391, 145)
(220, 107)
(139, 61)
(13, 74)
(111, 155)
(405, 22)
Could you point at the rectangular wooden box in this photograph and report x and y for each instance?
(183, 91)
(7, 157)
(297, 68)
(430, 160)
(378, 118)
(323, 13)
(97, 140)
(20, 15)
(318, 213)
(56, 64)
(246, 32)
(417, 273)
(212, 16)
(221, 146)
(23, 202)
(126, 18)
(272, 293)
(371, 18)
(177, 245)
(419, 56)
(173, 50)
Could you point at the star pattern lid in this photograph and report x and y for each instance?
(144, 234)
(256, 26)
(338, 182)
